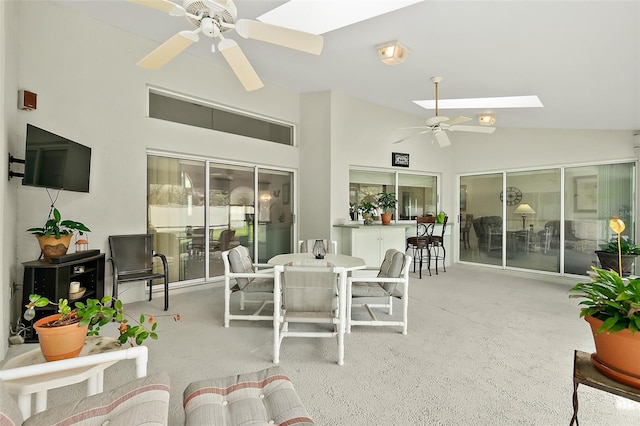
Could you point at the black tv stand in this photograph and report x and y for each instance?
(74, 256)
(52, 281)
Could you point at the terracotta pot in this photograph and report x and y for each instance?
(610, 261)
(52, 246)
(386, 218)
(617, 354)
(60, 342)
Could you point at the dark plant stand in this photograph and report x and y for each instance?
(610, 261)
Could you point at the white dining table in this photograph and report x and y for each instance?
(349, 263)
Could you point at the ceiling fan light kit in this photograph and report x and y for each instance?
(437, 124)
(392, 52)
(486, 119)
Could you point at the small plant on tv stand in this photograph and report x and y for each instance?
(55, 236)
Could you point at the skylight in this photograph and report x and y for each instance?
(470, 103)
(322, 16)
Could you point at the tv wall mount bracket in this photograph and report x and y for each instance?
(13, 159)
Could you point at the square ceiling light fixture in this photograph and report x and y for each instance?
(392, 52)
(486, 119)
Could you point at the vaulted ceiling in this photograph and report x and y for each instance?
(581, 58)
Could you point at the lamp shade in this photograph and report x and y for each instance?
(524, 208)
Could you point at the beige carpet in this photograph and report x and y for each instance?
(485, 347)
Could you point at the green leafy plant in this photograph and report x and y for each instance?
(626, 246)
(368, 207)
(96, 314)
(55, 226)
(387, 201)
(610, 299)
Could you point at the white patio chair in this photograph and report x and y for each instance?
(310, 292)
(391, 282)
(306, 246)
(250, 278)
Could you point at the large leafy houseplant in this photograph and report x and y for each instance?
(387, 201)
(611, 299)
(55, 235)
(56, 227)
(619, 253)
(368, 209)
(611, 306)
(95, 314)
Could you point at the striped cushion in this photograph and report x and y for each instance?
(10, 414)
(262, 397)
(143, 401)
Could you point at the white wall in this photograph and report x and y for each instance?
(90, 90)
(8, 113)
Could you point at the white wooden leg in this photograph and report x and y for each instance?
(41, 401)
(24, 402)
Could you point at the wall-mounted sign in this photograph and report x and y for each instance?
(399, 159)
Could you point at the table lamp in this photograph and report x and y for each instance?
(524, 209)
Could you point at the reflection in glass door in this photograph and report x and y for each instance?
(192, 237)
(555, 218)
(274, 219)
(532, 220)
(231, 208)
(482, 207)
(175, 202)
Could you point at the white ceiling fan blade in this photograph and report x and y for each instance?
(168, 50)
(441, 137)
(456, 120)
(163, 5)
(240, 64)
(293, 39)
(476, 129)
(409, 137)
(321, 16)
(413, 127)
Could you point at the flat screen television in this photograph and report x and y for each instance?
(52, 161)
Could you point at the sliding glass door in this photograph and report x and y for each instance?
(554, 219)
(192, 237)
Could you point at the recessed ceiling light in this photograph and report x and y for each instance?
(314, 17)
(486, 103)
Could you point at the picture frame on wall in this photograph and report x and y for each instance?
(585, 195)
(399, 159)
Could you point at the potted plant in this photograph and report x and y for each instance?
(55, 236)
(62, 335)
(387, 202)
(617, 253)
(368, 209)
(611, 306)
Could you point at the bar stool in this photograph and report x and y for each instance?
(420, 245)
(464, 231)
(437, 246)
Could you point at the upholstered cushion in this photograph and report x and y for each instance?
(391, 268)
(240, 262)
(262, 397)
(10, 414)
(143, 401)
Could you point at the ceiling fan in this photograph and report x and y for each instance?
(213, 18)
(439, 124)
